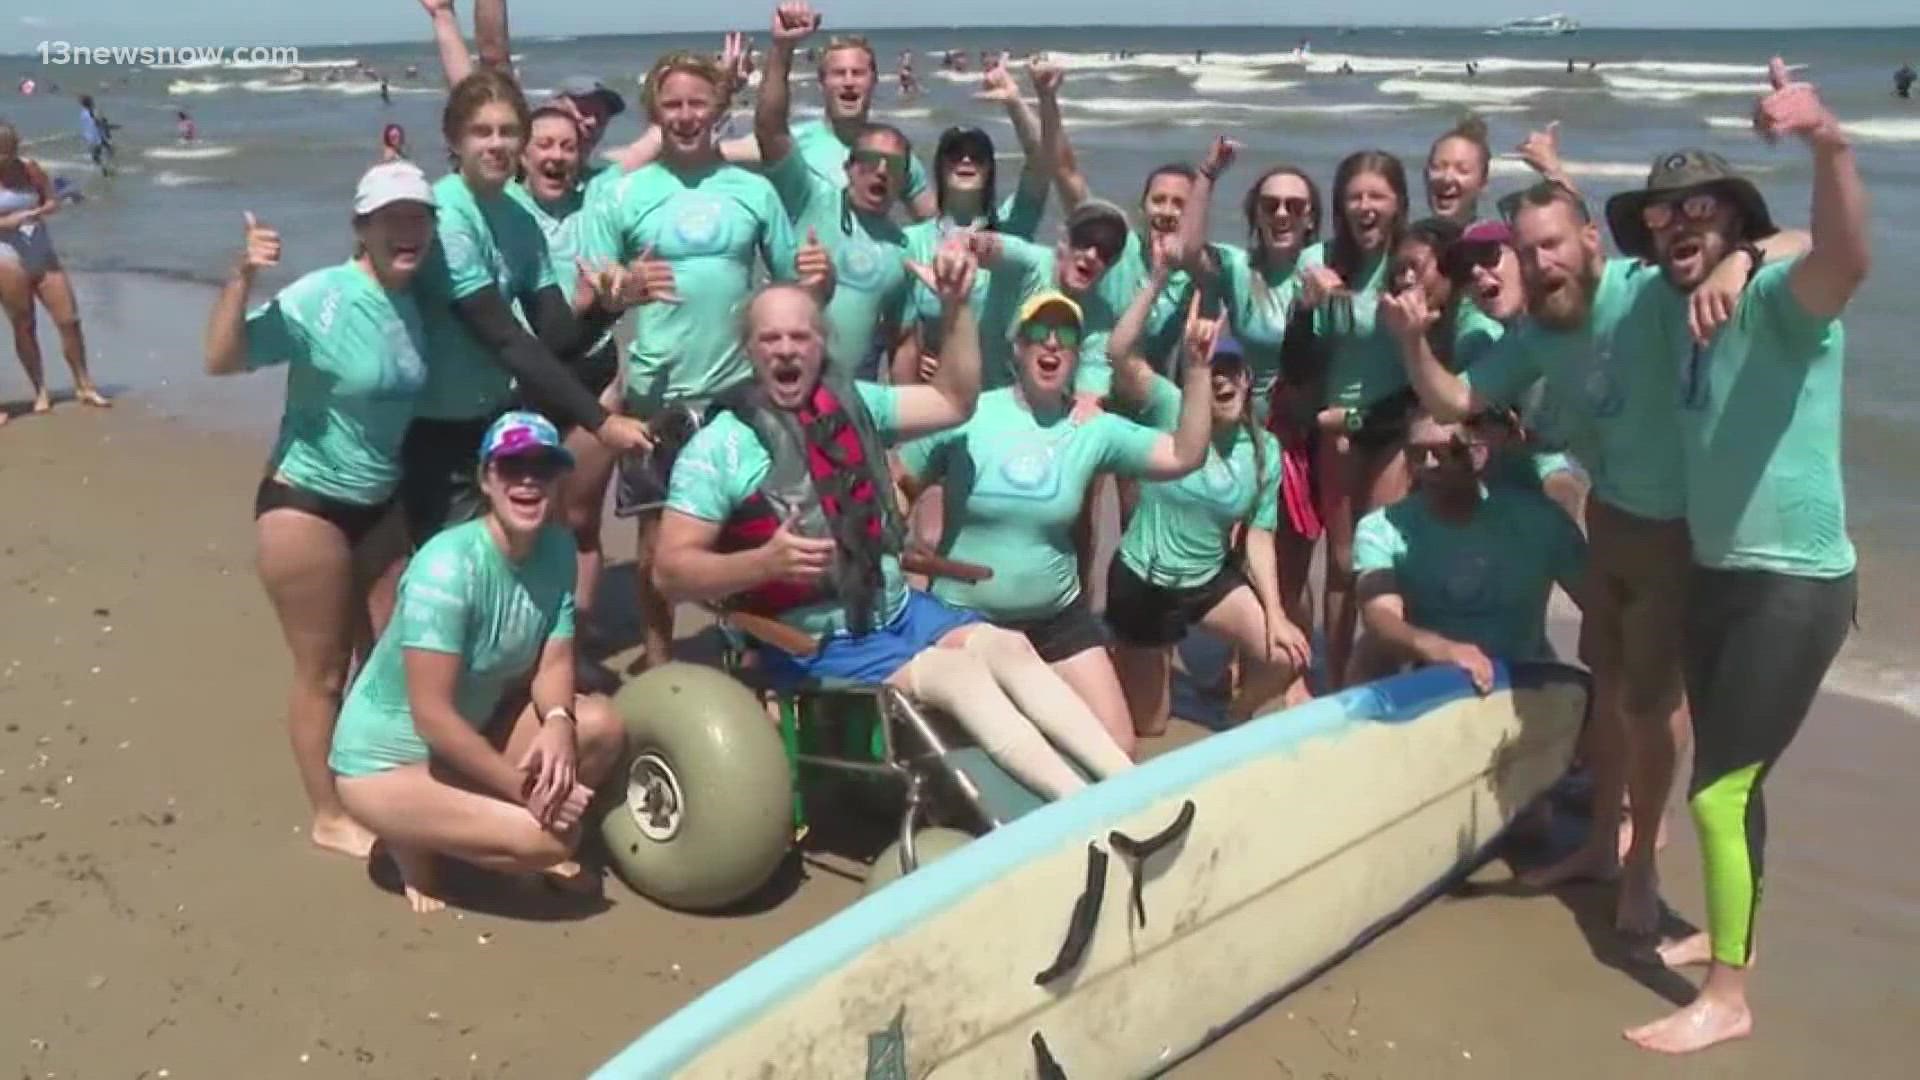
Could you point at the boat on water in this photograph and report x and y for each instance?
(1538, 26)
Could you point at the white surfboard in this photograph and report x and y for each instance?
(1309, 832)
(188, 153)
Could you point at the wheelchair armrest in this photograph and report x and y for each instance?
(772, 631)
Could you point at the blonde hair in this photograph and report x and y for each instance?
(842, 42)
(687, 62)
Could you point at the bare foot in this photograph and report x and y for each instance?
(573, 879)
(43, 403)
(419, 878)
(341, 834)
(4, 417)
(1593, 862)
(1689, 951)
(1712, 1018)
(92, 396)
(1636, 909)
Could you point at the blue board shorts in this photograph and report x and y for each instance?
(871, 658)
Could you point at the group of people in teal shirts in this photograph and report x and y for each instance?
(1429, 398)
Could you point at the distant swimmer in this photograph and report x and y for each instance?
(386, 93)
(1569, 65)
(909, 86)
(1903, 81)
(26, 87)
(184, 127)
(393, 143)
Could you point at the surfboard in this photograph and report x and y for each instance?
(188, 153)
(1113, 933)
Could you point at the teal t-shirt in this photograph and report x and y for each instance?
(710, 225)
(1167, 321)
(1760, 423)
(1013, 486)
(1475, 333)
(816, 144)
(482, 241)
(1259, 302)
(461, 594)
(576, 228)
(1483, 582)
(724, 465)
(354, 372)
(1364, 363)
(1612, 387)
(869, 254)
(996, 297)
(1179, 534)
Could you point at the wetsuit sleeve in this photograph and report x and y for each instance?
(541, 376)
(1266, 501)
(1377, 545)
(274, 335)
(1505, 371)
(431, 612)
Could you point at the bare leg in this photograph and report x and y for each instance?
(1690, 951)
(1090, 673)
(584, 498)
(1146, 679)
(56, 292)
(1339, 475)
(16, 297)
(307, 569)
(1719, 1014)
(599, 740)
(656, 614)
(958, 682)
(1238, 618)
(1047, 702)
(1651, 761)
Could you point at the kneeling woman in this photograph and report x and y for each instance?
(781, 507)
(438, 750)
(1014, 479)
(1178, 566)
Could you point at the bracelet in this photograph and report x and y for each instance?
(558, 710)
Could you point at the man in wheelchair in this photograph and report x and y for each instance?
(781, 507)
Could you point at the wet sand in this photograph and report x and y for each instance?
(160, 909)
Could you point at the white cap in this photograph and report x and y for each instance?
(391, 182)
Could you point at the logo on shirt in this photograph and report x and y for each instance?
(1029, 471)
(1466, 582)
(1598, 386)
(860, 263)
(699, 225)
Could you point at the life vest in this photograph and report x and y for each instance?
(830, 469)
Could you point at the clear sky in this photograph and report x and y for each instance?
(25, 23)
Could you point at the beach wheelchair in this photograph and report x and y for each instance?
(717, 794)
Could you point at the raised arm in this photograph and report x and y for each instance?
(226, 338)
(455, 62)
(1447, 396)
(1826, 279)
(490, 37)
(1132, 375)
(793, 23)
(1194, 223)
(947, 401)
(1068, 178)
(1186, 449)
(1541, 151)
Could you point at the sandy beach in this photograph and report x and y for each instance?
(161, 914)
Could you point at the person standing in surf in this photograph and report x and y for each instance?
(1774, 587)
(351, 338)
(96, 131)
(31, 274)
(697, 228)
(1261, 289)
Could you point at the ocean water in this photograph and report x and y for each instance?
(1135, 97)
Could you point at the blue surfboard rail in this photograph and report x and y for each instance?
(677, 1041)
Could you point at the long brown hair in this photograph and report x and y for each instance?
(1343, 253)
(483, 87)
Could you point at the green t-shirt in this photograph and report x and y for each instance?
(1484, 582)
(1013, 486)
(710, 225)
(724, 465)
(1475, 333)
(1364, 363)
(1611, 387)
(1179, 534)
(815, 142)
(869, 254)
(354, 374)
(482, 241)
(459, 595)
(1760, 425)
(996, 297)
(1167, 321)
(1259, 302)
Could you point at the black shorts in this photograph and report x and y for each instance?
(642, 481)
(1063, 635)
(353, 520)
(440, 475)
(1147, 616)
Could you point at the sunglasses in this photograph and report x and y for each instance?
(1700, 206)
(1104, 242)
(1037, 333)
(540, 468)
(1294, 205)
(968, 152)
(1464, 258)
(893, 164)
